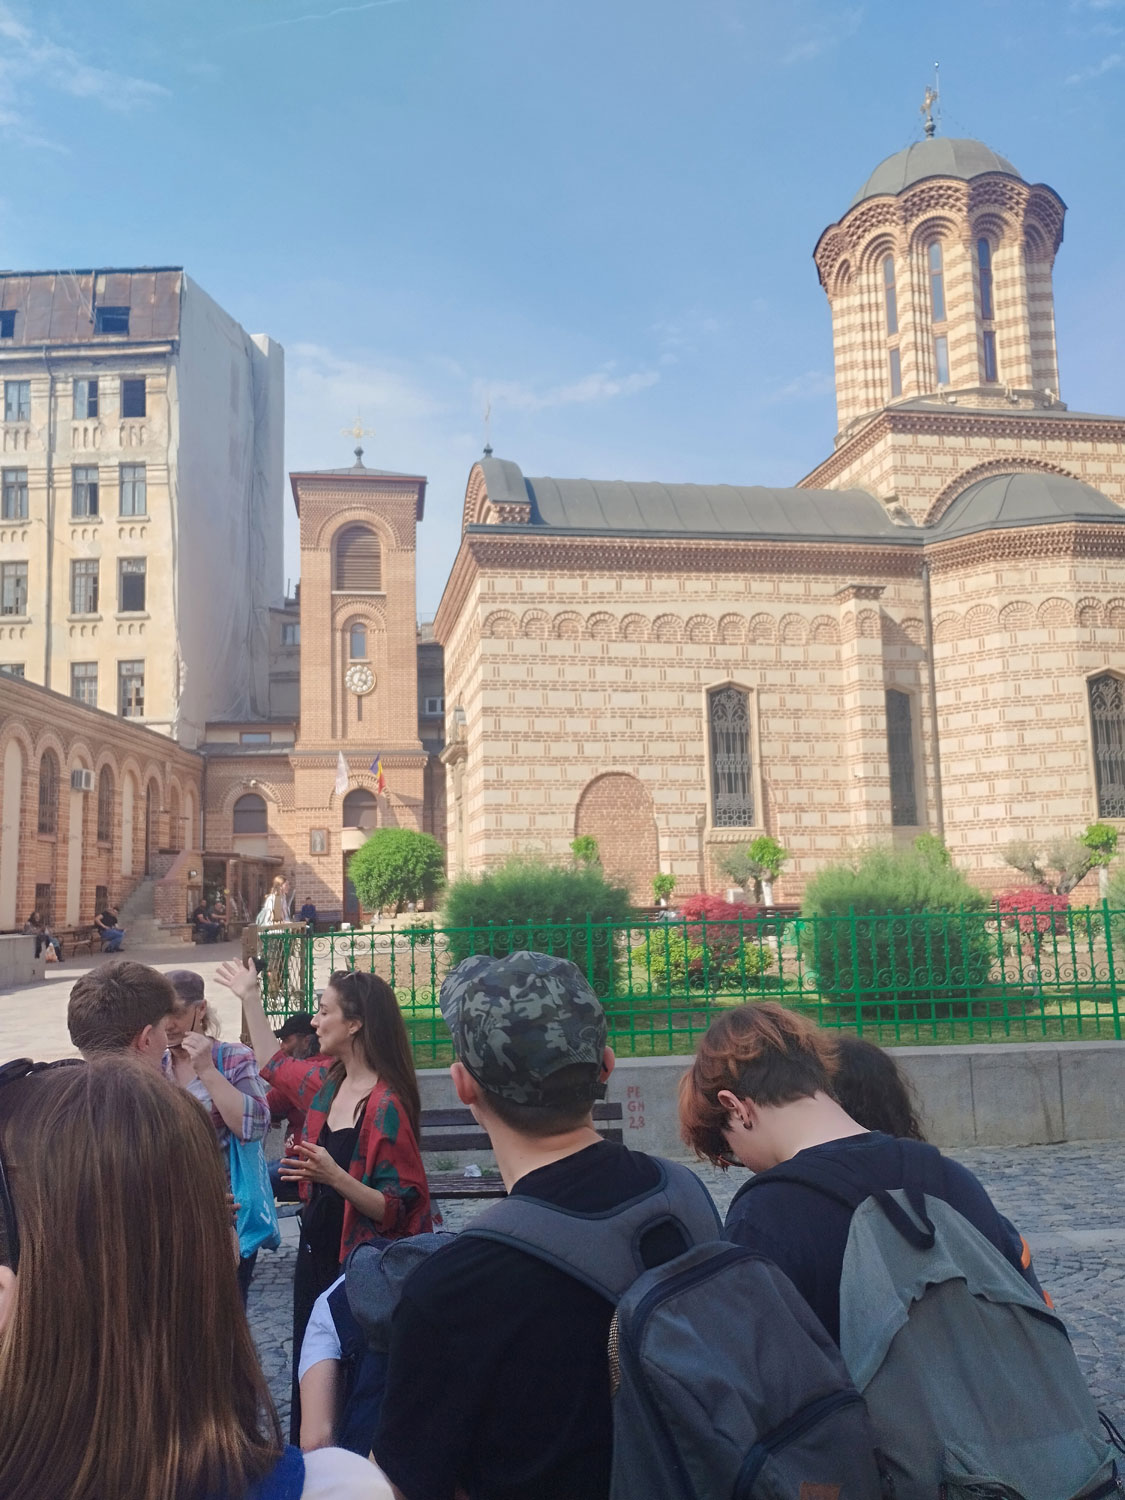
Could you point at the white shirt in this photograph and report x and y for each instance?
(334, 1474)
(321, 1340)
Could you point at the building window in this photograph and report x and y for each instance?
(941, 359)
(111, 320)
(131, 584)
(361, 810)
(13, 588)
(84, 586)
(17, 400)
(250, 814)
(989, 355)
(254, 737)
(12, 669)
(890, 300)
(433, 708)
(133, 402)
(357, 561)
(84, 682)
(900, 753)
(896, 372)
(85, 400)
(937, 283)
(49, 793)
(290, 634)
(357, 643)
(13, 495)
(984, 276)
(729, 714)
(105, 808)
(8, 324)
(44, 898)
(134, 490)
(131, 689)
(83, 492)
(1107, 714)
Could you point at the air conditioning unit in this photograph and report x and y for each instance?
(82, 781)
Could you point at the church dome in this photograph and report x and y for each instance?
(1005, 500)
(937, 156)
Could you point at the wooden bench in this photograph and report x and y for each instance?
(78, 937)
(456, 1130)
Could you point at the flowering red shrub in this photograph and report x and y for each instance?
(1033, 910)
(723, 936)
(715, 909)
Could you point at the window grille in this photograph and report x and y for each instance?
(732, 793)
(358, 561)
(900, 753)
(1107, 713)
(49, 793)
(105, 806)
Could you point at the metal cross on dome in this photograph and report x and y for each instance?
(359, 432)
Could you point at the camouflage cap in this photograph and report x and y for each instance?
(517, 1020)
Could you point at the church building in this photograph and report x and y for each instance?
(925, 634)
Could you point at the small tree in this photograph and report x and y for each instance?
(931, 848)
(756, 866)
(663, 886)
(1059, 866)
(585, 849)
(397, 865)
(1101, 840)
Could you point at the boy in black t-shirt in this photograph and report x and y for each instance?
(499, 1376)
(759, 1094)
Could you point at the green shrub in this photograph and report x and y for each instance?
(540, 906)
(397, 865)
(662, 886)
(906, 943)
(678, 966)
(585, 849)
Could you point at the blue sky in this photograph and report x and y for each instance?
(599, 214)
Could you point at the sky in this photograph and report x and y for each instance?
(595, 217)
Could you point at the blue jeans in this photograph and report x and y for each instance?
(112, 938)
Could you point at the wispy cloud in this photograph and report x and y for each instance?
(31, 60)
(601, 385)
(1104, 65)
(682, 336)
(815, 37)
(322, 15)
(804, 387)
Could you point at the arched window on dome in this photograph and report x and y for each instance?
(984, 275)
(890, 300)
(937, 282)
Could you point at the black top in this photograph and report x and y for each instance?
(806, 1232)
(323, 1218)
(108, 918)
(499, 1374)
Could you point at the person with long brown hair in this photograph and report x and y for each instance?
(126, 1361)
(358, 1164)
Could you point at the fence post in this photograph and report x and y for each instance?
(590, 951)
(308, 956)
(853, 938)
(1112, 969)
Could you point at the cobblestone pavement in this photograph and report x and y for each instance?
(1066, 1200)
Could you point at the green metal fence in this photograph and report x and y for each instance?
(898, 978)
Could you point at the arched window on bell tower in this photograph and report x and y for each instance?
(890, 313)
(935, 266)
(989, 369)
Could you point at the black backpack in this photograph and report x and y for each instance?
(724, 1383)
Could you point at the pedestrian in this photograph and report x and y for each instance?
(121, 1008)
(112, 935)
(224, 1077)
(210, 930)
(114, 1247)
(44, 938)
(275, 908)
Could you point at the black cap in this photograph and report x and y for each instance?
(296, 1025)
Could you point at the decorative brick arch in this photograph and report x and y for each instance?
(994, 466)
(617, 810)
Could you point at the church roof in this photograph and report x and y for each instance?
(937, 156)
(1006, 500)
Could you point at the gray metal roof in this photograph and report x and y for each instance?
(938, 156)
(1025, 500)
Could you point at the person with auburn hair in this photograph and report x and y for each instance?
(760, 1094)
(121, 1007)
(114, 1248)
(358, 1164)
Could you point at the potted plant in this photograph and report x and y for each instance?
(662, 888)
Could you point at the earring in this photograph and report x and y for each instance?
(746, 1125)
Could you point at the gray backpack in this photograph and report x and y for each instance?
(725, 1387)
(969, 1377)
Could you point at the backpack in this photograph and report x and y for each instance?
(724, 1383)
(969, 1377)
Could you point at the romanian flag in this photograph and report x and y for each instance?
(380, 779)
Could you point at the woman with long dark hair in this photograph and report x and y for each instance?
(126, 1361)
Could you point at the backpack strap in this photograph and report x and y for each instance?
(602, 1250)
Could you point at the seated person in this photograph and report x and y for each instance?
(112, 936)
(206, 926)
(308, 914)
(44, 938)
(121, 1008)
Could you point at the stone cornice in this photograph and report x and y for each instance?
(1027, 544)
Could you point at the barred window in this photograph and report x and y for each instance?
(49, 793)
(105, 806)
(84, 586)
(13, 486)
(134, 490)
(728, 711)
(1107, 714)
(250, 814)
(900, 753)
(357, 561)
